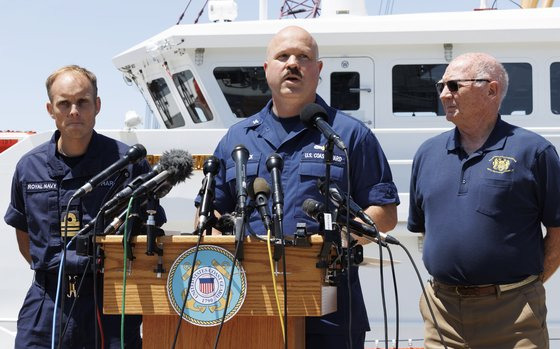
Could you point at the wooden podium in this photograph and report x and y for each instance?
(256, 325)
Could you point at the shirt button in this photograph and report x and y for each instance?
(464, 181)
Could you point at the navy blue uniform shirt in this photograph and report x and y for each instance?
(482, 213)
(41, 188)
(303, 153)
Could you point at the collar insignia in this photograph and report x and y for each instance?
(319, 147)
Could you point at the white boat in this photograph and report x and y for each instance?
(200, 79)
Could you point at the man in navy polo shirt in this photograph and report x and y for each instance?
(479, 193)
(45, 178)
(292, 71)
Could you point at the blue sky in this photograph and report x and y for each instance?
(37, 37)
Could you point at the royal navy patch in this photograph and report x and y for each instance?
(206, 300)
(36, 187)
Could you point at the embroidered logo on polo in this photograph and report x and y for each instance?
(36, 187)
(501, 164)
(206, 300)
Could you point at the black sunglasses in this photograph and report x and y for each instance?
(453, 86)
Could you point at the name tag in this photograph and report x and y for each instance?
(35, 187)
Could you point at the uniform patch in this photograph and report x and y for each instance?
(36, 187)
(206, 300)
(501, 164)
(73, 225)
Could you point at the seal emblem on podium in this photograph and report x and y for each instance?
(211, 272)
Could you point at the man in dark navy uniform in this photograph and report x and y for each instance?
(292, 72)
(480, 193)
(44, 180)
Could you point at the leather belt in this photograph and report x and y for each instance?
(482, 290)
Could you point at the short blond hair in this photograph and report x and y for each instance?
(72, 69)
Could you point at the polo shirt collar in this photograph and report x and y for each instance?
(496, 140)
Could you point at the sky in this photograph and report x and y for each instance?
(38, 36)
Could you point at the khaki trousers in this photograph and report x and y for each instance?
(513, 319)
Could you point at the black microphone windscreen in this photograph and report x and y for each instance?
(136, 152)
(211, 165)
(310, 112)
(225, 224)
(312, 207)
(240, 153)
(179, 164)
(274, 161)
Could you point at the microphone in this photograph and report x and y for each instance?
(178, 166)
(314, 116)
(132, 186)
(260, 194)
(210, 169)
(275, 165)
(225, 224)
(315, 210)
(339, 200)
(240, 156)
(133, 155)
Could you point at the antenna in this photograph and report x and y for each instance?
(300, 9)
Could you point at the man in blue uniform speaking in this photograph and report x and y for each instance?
(292, 71)
(480, 192)
(45, 178)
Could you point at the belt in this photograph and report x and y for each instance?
(49, 280)
(482, 290)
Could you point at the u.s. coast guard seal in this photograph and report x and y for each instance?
(206, 300)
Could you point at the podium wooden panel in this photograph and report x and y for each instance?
(256, 325)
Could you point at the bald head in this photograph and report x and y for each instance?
(292, 33)
(482, 66)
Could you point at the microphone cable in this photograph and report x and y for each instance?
(396, 297)
(188, 289)
(424, 294)
(275, 288)
(230, 281)
(61, 282)
(348, 247)
(98, 324)
(382, 287)
(125, 257)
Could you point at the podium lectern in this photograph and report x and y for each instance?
(256, 324)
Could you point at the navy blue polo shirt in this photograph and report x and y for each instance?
(41, 188)
(482, 213)
(303, 153)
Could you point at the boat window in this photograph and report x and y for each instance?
(519, 97)
(345, 90)
(165, 103)
(245, 89)
(414, 93)
(192, 96)
(555, 87)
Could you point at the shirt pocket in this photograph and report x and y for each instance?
(494, 195)
(251, 172)
(309, 173)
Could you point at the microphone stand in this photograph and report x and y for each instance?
(331, 237)
(153, 232)
(329, 154)
(239, 229)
